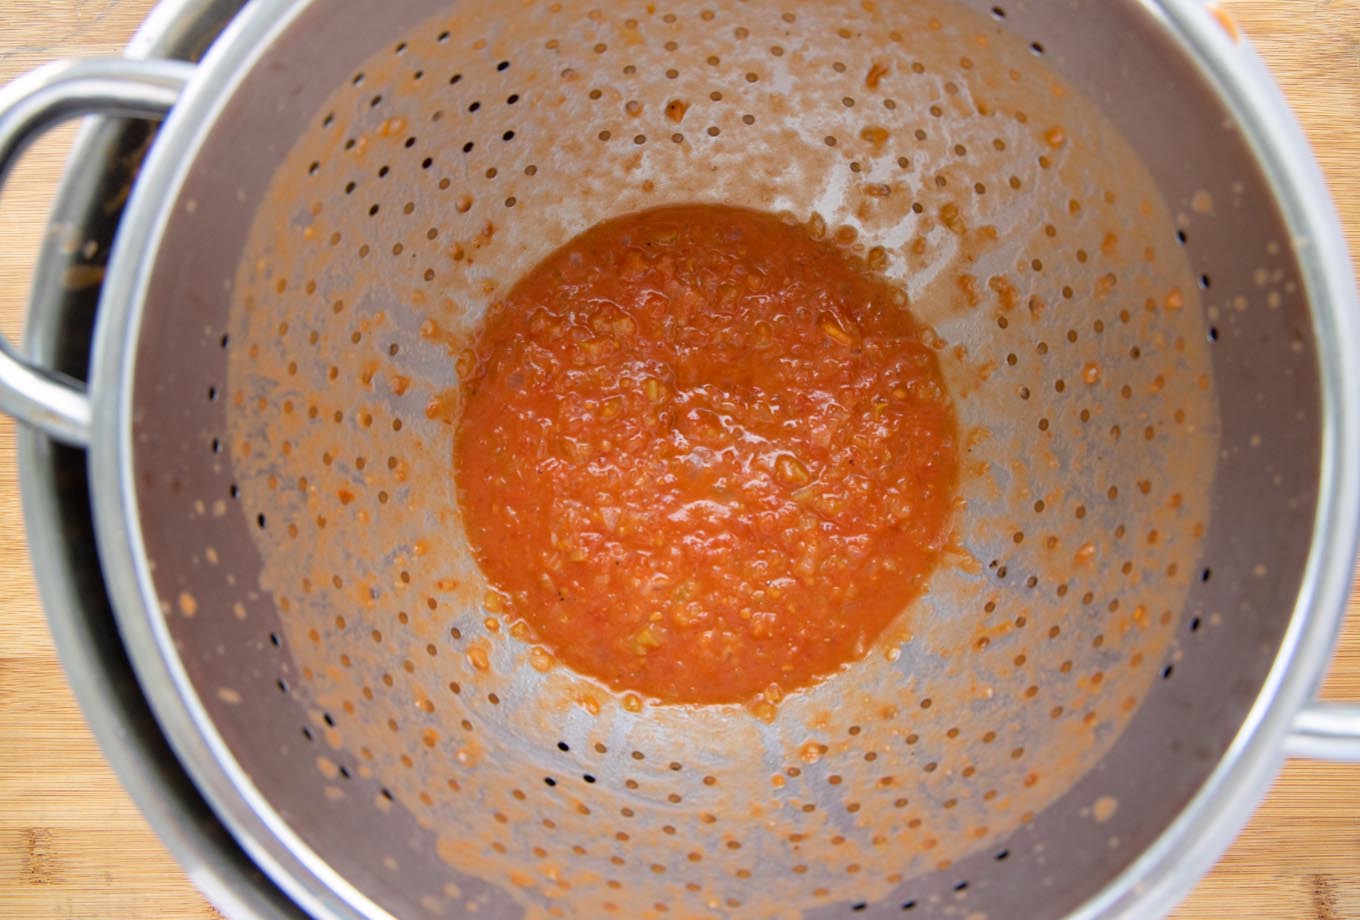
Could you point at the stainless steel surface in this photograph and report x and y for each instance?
(1204, 745)
(1220, 808)
(55, 491)
(1326, 731)
(58, 92)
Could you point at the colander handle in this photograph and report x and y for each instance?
(1326, 731)
(57, 92)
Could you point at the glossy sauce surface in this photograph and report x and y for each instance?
(705, 456)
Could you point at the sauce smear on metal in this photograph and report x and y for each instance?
(705, 456)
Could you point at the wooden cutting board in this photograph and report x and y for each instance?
(72, 845)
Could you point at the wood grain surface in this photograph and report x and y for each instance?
(72, 845)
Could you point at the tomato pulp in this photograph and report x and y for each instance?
(705, 456)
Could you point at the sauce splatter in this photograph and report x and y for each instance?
(1226, 22)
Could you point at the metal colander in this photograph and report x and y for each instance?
(1122, 323)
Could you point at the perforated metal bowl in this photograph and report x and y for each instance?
(1152, 560)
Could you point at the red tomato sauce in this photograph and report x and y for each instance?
(705, 456)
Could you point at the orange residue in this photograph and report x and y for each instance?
(875, 136)
(952, 217)
(968, 284)
(812, 751)
(1226, 22)
(676, 109)
(1006, 293)
(877, 72)
(443, 406)
(477, 657)
(432, 331)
